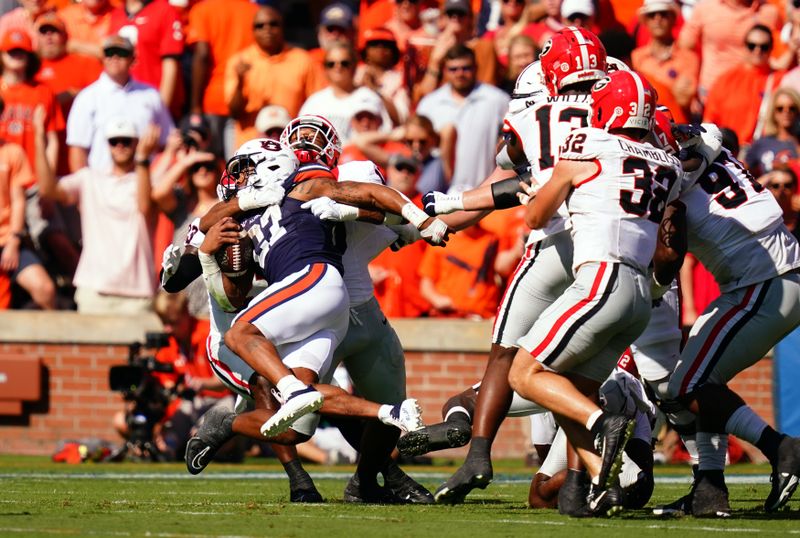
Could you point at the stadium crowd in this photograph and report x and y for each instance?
(118, 117)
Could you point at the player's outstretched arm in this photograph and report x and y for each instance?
(490, 194)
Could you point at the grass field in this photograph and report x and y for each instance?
(39, 498)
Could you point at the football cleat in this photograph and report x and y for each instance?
(407, 416)
(681, 507)
(604, 502)
(452, 434)
(573, 493)
(404, 487)
(710, 497)
(785, 474)
(297, 405)
(472, 474)
(355, 492)
(216, 429)
(308, 495)
(611, 434)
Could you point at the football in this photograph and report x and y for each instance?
(234, 260)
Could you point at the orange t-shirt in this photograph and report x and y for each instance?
(735, 99)
(285, 79)
(227, 26)
(682, 64)
(398, 293)
(15, 172)
(84, 26)
(464, 271)
(16, 123)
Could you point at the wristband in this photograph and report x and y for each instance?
(390, 219)
(414, 215)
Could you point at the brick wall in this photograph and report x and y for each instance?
(78, 402)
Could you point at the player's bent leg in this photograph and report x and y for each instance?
(454, 432)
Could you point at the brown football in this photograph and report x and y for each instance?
(234, 260)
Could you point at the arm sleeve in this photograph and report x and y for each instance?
(188, 270)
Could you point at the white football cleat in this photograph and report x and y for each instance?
(407, 416)
(297, 405)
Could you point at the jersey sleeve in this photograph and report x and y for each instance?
(312, 171)
(172, 40)
(585, 144)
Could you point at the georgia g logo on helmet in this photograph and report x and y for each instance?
(546, 48)
(600, 84)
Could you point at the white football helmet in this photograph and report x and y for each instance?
(313, 139)
(613, 64)
(256, 163)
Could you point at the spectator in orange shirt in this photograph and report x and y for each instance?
(217, 30)
(88, 24)
(394, 274)
(17, 261)
(381, 73)
(23, 17)
(717, 29)
(460, 280)
(335, 25)
(674, 69)
(740, 97)
(267, 72)
(405, 20)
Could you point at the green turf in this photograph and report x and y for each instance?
(38, 498)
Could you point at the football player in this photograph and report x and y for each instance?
(575, 343)
(735, 228)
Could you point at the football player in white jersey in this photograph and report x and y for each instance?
(617, 189)
(570, 62)
(736, 230)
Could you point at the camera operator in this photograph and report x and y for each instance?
(184, 394)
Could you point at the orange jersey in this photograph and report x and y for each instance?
(85, 27)
(15, 172)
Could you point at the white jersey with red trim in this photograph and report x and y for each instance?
(542, 129)
(615, 213)
(364, 240)
(736, 227)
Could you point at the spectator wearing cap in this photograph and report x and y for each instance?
(740, 97)
(578, 13)
(63, 72)
(117, 216)
(394, 274)
(269, 72)
(335, 24)
(88, 24)
(114, 94)
(475, 109)
(217, 30)
(673, 71)
(23, 18)
(342, 97)
(382, 72)
(404, 21)
(460, 280)
(456, 27)
(271, 121)
(156, 32)
(366, 119)
(717, 29)
(18, 263)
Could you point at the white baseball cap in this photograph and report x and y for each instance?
(654, 6)
(368, 101)
(121, 128)
(571, 7)
(272, 117)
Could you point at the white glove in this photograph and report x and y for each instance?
(406, 234)
(264, 196)
(439, 203)
(436, 233)
(170, 261)
(326, 209)
(528, 194)
(708, 143)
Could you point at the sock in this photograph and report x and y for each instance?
(458, 414)
(593, 419)
(712, 450)
(768, 443)
(480, 448)
(298, 477)
(690, 442)
(289, 384)
(745, 424)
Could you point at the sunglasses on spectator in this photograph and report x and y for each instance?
(412, 141)
(407, 1)
(207, 166)
(518, 2)
(655, 14)
(124, 142)
(455, 14)
(262, 25)
(786, 108)
(113, 51)
(781, 186)
(763, 47)
(456, 68)
(347, 64)
(406, 168)
(18, 53)
(44, 30)
(331, 29)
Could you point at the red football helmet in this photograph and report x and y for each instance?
(572, 55)
(662, 128)
(624, 99)
(313, 139)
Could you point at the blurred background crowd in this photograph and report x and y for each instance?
(117, 115)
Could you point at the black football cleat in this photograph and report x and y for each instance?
(308, 495)
(406, 488)
(611, 433)
(472, 474)
(355, 492)
(785, 474)
(216, 430)
(573, 493)
(681, 507)
(453, 434)
(710, 495)
(605, 502)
